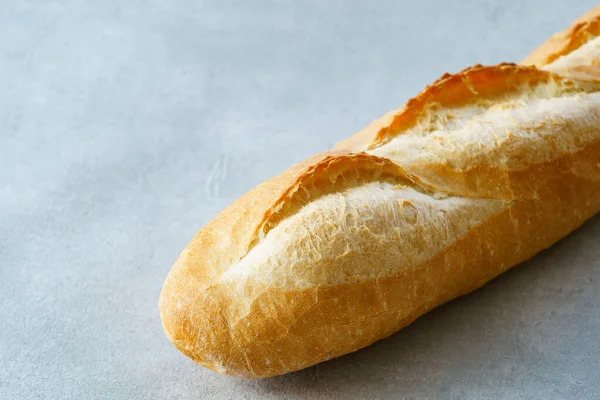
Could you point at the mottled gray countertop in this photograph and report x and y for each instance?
(125, 126)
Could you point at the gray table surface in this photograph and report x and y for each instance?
(125, 126)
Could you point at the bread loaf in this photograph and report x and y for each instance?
(479, 172)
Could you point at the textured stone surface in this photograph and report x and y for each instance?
(127, 125)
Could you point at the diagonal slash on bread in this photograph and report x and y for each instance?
(479, 172)
(574, 51)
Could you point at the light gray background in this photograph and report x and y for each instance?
(125, 126)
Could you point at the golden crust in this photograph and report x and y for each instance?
(237, 228)
(472, 85)
(287, 330)
(231, 314)
(582, 30)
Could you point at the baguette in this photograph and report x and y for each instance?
(479, 172)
